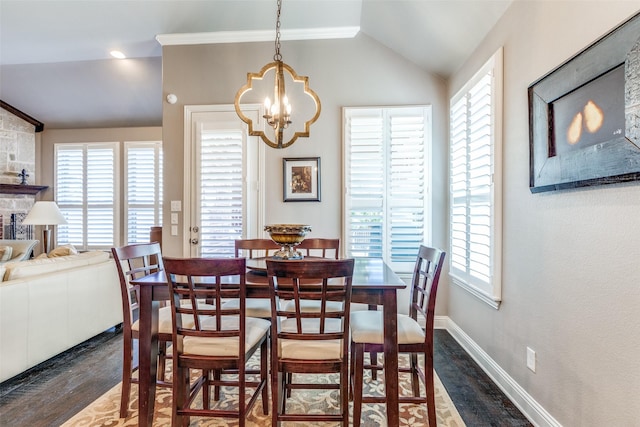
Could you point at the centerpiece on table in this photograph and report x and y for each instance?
(288, 236)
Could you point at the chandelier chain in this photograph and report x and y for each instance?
(278, 56)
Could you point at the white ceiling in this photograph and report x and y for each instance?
(52, 52)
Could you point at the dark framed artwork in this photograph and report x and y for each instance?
(301, 179)
(584, 116)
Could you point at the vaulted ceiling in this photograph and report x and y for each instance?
(55, 63)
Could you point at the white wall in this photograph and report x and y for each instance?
(571, 278)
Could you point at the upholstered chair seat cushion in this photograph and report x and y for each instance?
(310, 349)
(165, 325)
(254, 307)
(225, 346)
(367, 327)
(312, 306)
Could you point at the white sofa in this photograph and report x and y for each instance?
(52, 304)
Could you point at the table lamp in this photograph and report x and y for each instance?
(45, 213)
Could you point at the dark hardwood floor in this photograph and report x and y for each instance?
(52, 392)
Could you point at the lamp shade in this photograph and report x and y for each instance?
(44, 213)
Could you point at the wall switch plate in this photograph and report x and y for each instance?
(174, 230)
(174, 218)
(176, 206)
(531, 359)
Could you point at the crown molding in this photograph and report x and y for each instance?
(256, 36)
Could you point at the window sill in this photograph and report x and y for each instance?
(478, 293)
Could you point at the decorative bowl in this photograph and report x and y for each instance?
(288, 236)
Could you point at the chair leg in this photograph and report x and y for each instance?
(127, 363)
(264, 374)
(344, 393)
(289, 381)
(373, 358)
(358, 379)
(181, 388)
(162, 359)
(430, 389)
(352, 362)
(217, 376)
(206, 389)
(276, 395)
(242, 393)
(415, 380)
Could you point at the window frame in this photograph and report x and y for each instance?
(489, 292)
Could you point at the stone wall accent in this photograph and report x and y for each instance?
(17, 152)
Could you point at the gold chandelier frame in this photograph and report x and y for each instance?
(278, 142)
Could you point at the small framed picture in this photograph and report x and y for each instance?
(301, 179)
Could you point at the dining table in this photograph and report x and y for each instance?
(374, 283)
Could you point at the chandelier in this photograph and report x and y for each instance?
(278, 113)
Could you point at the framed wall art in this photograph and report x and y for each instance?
(584, 116)
(301, 178)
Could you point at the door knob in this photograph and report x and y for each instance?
(194, 241)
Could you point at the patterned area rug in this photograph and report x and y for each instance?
(104, 411)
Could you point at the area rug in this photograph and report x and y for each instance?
(104, 411)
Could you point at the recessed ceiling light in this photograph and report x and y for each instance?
(117, 54)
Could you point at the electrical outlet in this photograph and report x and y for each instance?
(531, 359)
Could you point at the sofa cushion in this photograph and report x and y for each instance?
(34, 267)
(63, 251)
(5, 253)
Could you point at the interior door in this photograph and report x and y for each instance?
(223, 185)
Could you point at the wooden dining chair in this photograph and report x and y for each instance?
(255, 248)
(367, 336)
(218, 338)
(325, 248)
(316, 246)
(132, 262)
(309, 342)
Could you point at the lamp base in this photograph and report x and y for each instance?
(46, 240)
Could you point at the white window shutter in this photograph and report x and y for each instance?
(221, 194)
(143, 189)
(86, 193)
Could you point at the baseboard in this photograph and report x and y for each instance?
(520, 398)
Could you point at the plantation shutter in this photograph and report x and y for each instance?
(386, 178)
(221, 194)
(474, 204)
(86, 194)
(408, 187)
(365, 184)
(143, 190)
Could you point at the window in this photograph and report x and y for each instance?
(387, 155)
(475, 183)
(86, 192)
(143, 191)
